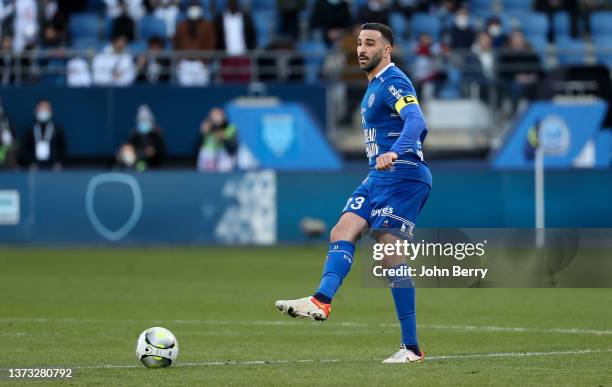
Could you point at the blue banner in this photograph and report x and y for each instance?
(569, 133)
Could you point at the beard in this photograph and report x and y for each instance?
(372, 62)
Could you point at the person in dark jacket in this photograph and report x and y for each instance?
(43, 144)
(145, 148)
(332, 18)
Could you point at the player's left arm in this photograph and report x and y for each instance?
(401, 97)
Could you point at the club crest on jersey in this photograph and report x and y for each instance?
(371, 100)
(407, 229)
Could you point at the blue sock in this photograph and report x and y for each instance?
(402, 289)
(337, 266)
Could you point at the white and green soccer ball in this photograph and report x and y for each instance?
(157, 348)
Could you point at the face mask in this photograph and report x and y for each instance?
(194, 13)
(43, 115)
(462, 21)
(144, 127)
(495, 30)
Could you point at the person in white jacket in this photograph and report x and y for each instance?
(115, 65)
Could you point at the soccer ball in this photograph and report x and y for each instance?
(157, 348)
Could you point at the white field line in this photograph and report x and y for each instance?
(466, 328)
(493, 355)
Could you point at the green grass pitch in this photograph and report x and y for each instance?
(84, 308)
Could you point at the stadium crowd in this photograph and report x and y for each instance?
(195, 42)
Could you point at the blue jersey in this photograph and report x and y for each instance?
(393, 121)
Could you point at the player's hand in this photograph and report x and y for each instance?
(385, 161)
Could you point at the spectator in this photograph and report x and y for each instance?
(152, 67)
(278, 65)
(44, 144)
(25, 25)
(519, 67)
(7, 142)
(288, 14)
(496, 31)
(236, 35)
(145, 147)
(483, 51)
(78, 73)
(332, 18)
(194, 34)
(7, 61)
(54, 31)
(7, 11)
(218, 143)
(134, 8)
(374, 11)
(123, 24)
(168, 11)
(15, 68)
(427, 70)
(461, 35)
(114, 66)
(550, 7)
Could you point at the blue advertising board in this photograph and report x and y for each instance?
(570, 133)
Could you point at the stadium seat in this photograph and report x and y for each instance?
(603, 49)
(571, 51)
(95, 6)
(260, 5)
(150, 26)
(265, 25)
(532, 23)
(138, 47)
(425, 24)
(314, 52)
(84, 25)
(561, 24)
(480, 6)
(399, 24)
(601, 23)
(517, 5)
(87, 44)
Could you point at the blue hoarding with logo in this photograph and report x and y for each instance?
(570, 134)
(283, 136)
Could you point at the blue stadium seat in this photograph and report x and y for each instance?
(84, 25)
(137, 47)
(425, 24)
(603, 49)
(95, 6)
(571, 51)
(150, 26)
(399, 25)
(314, 52)
(265, 25)
(561, 24)
(517, 5)
(532, 23)
(480, 6)
(86, 44)
(259, 5)
(601, 23)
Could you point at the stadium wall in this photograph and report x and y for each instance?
(98, 120)
(265, 207)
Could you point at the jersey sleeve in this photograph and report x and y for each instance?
(400, 97)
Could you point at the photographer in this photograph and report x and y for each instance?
(218, 143)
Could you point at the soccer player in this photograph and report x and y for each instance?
(390, 198)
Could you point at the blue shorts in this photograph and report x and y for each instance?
(389, 205)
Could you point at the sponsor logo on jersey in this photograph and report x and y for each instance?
(382, 211)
